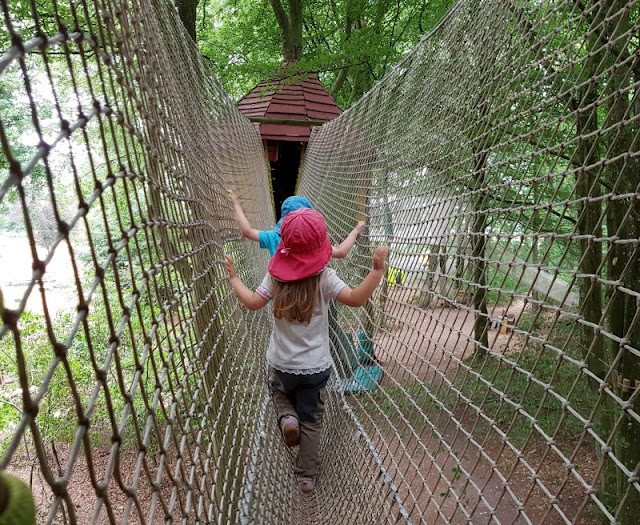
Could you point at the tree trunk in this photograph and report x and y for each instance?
(359, 85)
(339, 82)
(187, 13)
(535, 255)
(293, 51)
(478, 262)
(290, 25)
(623, 262)
(609, 24)
(589, 226)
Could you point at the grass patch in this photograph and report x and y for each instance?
(536, 388)
(391, 409)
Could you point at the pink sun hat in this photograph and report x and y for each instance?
(304, 249)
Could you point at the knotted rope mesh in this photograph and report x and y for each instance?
(492, 378)
(123, 348)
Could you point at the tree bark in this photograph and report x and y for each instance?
(623, 264)
(609, 24)
(290, 25)
(187, 13)
(535, 255)
(478, 262)
(589, 226)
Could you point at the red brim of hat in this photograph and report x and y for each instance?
(295, 266)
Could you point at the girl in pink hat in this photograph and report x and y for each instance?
(301, 287)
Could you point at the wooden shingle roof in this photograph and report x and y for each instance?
(304, 100)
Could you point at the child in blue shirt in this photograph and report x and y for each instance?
(270, 239)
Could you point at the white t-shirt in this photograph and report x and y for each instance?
(303, 348)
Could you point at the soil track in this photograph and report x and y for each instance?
(455, 468)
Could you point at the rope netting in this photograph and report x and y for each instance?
(494, 376)
(500, 161)
(121, 345)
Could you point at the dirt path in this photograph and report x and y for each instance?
(83, 494)
(455, 468)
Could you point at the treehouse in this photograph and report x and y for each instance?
(285, 111)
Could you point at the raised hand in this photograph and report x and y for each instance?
(379, 256)
(230, 269)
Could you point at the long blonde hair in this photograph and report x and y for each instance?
(295, 300)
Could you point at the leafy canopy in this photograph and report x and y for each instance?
(350, 43)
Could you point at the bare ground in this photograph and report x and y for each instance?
(80, 504)
(457, 468)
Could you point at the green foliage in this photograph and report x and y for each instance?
(76, 167)
(350, 43)
(18, 127)
(403, 402)
(521, 376)
(56, 419)
(531, 194)
(242, 41)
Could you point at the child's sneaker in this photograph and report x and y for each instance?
(306, 484)
(290, 430)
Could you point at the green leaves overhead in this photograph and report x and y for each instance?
(350, 43)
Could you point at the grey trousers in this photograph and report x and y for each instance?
(302, 396)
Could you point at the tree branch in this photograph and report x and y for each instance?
(339, 81)
(342, 76)
(395, 21)
(295, 28)
(315, 28)
(326, 69)
(281, 16)
(204, 16)
(547, 209)
(408, 23)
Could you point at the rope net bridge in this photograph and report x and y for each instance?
(494, 376)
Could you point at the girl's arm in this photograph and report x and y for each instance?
(244, 226)
(359, 295)
(341, 251)
(247, 297)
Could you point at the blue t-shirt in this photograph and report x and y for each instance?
(269, 239)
